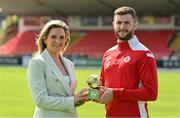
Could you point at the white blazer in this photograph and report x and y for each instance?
(52, 95)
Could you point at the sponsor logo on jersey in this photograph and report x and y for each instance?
(108, 58)
(107, 63)
(150, 55)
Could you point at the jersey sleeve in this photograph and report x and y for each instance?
(102, 73)
(148, 85)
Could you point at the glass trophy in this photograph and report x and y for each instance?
(94, 86)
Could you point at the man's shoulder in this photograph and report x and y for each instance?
(146, 51)
(145, 54)
(139, 47)
(112, 48)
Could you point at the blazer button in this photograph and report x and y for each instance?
(57, 80)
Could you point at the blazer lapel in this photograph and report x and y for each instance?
(70, 69)
(55, 70)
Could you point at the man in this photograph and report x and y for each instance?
(129, 72)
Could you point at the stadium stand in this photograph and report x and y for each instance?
(95, 43)
(157, 41)
(175, 45)
(22, 44)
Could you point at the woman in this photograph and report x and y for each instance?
(51, 76)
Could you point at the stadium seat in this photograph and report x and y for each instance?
(92, 43)
(95, 43)
(22, 44)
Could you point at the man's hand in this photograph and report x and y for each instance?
(106, 95)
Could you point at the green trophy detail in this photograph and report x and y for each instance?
(93, 94)
(94, 86)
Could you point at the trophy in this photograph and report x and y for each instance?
(94, 86)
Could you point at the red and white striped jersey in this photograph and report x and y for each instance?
(130, 69)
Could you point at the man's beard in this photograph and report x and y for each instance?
(127, 37)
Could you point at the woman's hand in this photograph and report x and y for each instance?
(81, 97)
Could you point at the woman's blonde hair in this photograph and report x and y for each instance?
(45, 31)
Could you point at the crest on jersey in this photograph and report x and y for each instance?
(127, 59)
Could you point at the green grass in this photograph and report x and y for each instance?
(16, 101)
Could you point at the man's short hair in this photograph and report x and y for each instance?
(126, 10)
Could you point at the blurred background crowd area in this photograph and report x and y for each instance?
(91, 35)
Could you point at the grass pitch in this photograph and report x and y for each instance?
(16, 101)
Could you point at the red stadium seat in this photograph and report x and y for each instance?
(22, 44)
(95, 43)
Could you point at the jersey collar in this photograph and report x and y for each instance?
(127, 44)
